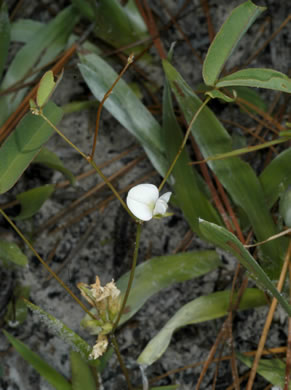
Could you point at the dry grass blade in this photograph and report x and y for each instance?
(270, 111)
(268, 321)
(281, 234)
(273, 351)
(151, 25)
(205, 7)
(184, 243)
(179, 28)
(268, 118)
(275, 33)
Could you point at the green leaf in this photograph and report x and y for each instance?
(32, 200)
(4, 35)
(45, 89)
(285, 207)
(216, 94)
(226, 240)
(257, 77)
(62, 331)
(46, 371)
(16, 311)
(186, 184)
(82, 377)
(247, 149)
(201, 309)
(10, 252)
(160, 272)
(51, 160)
(23, 30)
(273, 370)
(237, 177)
(125, 107)
(276, 177)
(228, 37)
(117, 24)
(79, 106)
(24, 143)
(39, 51)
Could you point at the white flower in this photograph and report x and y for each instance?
(144, 202)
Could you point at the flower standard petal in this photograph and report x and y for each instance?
(141, 200)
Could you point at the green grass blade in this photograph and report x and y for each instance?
(236, 176)
(45, 370)
(226, 240)
(10, 252)
(187, 191)
(276, 177)
(82, 377)
(32, 200)
(158, 273)
(227, 38)
(62, 331)
(117, 24)
(273, 370)
(4, 35)
(248, 149)
(201, 309)
(41, 49)
(24, 143)
(285, 207)
(258, 78)
(51, 160)
(125, 107)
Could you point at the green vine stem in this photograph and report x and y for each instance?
(183, 142)
(58, 279)
(121, 362)
(107, 94)
(131, 276)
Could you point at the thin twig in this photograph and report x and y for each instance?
(275, 33)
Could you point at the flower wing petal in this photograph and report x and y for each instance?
(166, 196)
(162, 204)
